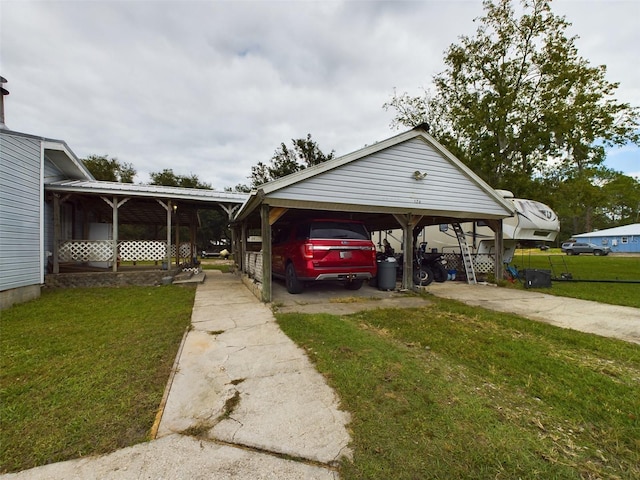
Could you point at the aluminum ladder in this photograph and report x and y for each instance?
(466, 254)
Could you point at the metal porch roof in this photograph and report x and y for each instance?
(143, 207)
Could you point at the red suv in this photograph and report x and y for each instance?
(323, 249)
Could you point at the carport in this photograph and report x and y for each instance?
(407, 181)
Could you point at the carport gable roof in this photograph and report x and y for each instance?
(408, 173)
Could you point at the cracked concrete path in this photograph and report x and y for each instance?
(244, 402)
(236, 354)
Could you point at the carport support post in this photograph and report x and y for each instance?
(408, 222)
(266, 253)
(498, 267)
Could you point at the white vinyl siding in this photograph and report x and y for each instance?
(386, 178)
(20, 218)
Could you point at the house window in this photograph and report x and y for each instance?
(624, 240)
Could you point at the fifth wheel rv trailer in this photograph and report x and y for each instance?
(534, 222)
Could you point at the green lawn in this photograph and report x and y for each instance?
(452, 391)
(587, 267)
(83, 371)
(446, 391)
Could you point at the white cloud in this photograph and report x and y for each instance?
(213, 87)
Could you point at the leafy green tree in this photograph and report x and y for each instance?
(304, 153)
(108, 169)
(516, 95)
(169, 179)
(621, 203)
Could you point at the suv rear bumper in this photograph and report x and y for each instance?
(343, 276)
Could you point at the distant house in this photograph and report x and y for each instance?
(619, 239)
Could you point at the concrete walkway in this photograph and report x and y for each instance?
(244, 403)
(586, 316)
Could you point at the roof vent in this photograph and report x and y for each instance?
(3, 92)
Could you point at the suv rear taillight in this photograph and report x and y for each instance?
(307, 250)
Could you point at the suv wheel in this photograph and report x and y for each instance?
(353, 284)
(597, 252)
(291, 280)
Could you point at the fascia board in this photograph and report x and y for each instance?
(64, 148)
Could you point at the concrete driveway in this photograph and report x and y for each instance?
(586, 316)
(583, 315)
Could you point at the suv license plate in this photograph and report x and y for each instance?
(345, 254)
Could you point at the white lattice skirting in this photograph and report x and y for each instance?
(131, 250)
(482, 263)
(137, 251)
(86, 251)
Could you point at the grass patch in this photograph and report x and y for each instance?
(83, 371)
(588, 267)
(452, 391)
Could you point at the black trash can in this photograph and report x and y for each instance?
(387, 275)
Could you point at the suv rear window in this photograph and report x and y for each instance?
(329, 229)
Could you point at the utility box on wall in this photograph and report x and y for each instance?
(534, 278)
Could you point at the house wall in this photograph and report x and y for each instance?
(20, 217)
(632, 244)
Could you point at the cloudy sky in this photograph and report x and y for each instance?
(213, 87)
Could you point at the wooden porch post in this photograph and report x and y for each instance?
(115, 205)
(169, 208)
(194, 233)
(175, 208)
(115, 234)
(57, 230)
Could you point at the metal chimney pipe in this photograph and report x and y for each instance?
(3, 92)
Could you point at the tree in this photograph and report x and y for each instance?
(108, 169)
(518, 94)
(305, 153)
(621, 204)
(169, 179)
